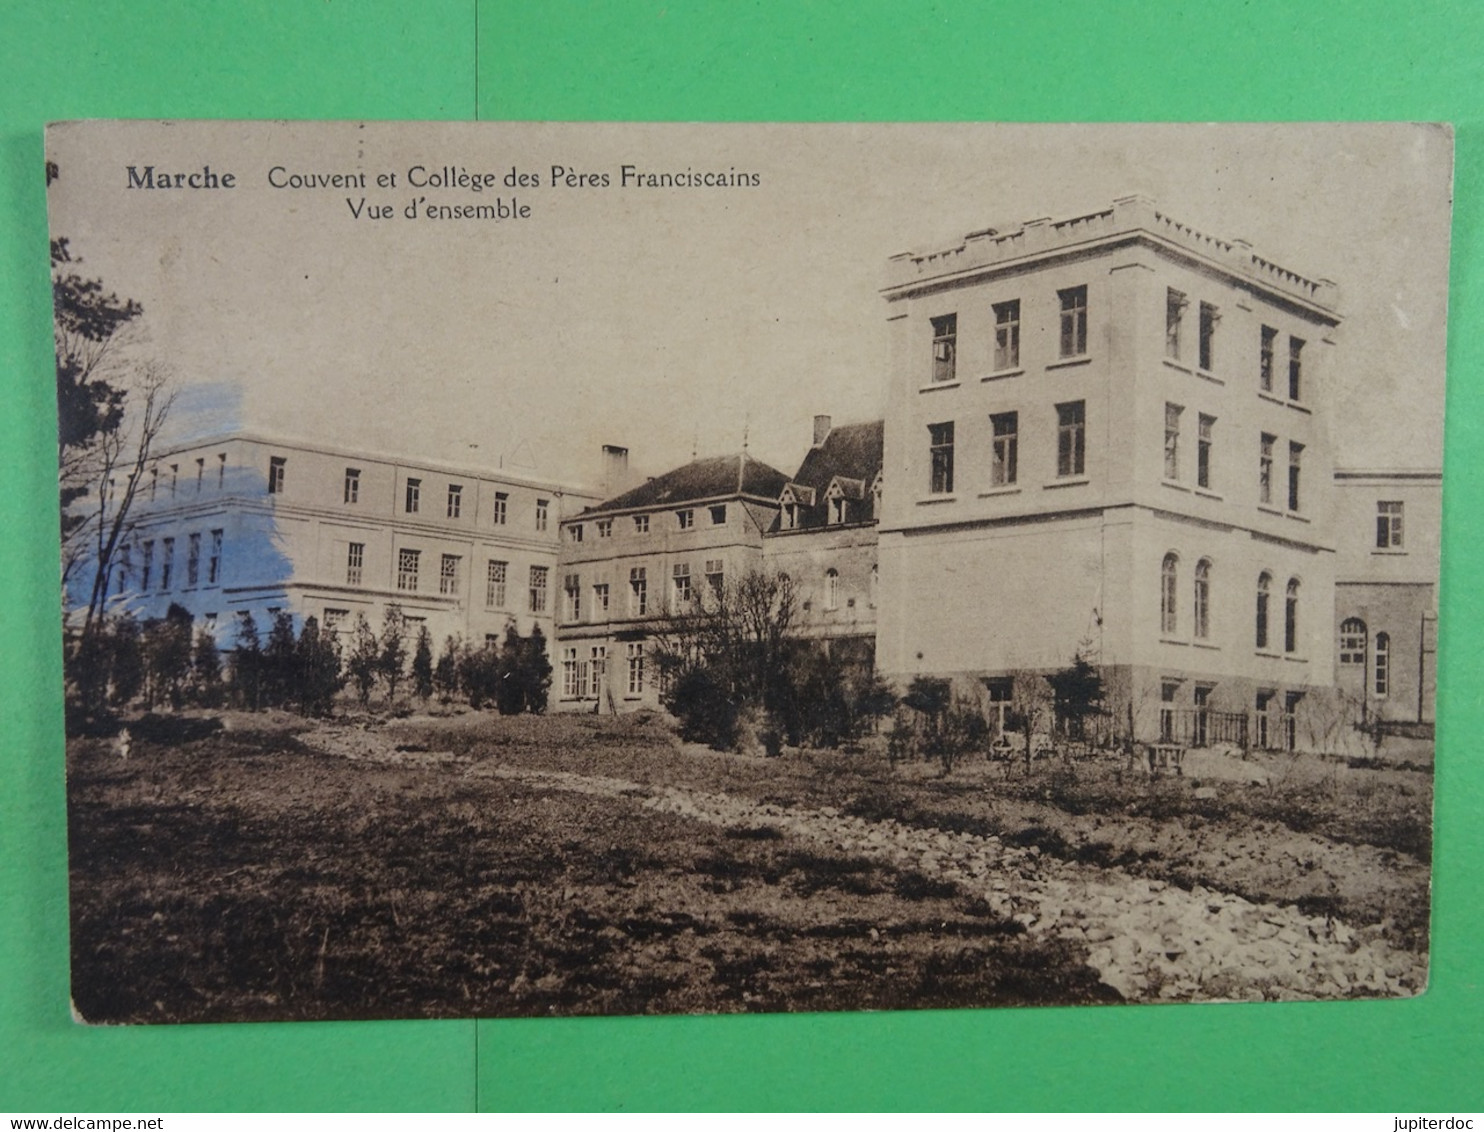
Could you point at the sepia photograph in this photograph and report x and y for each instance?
(530, 569)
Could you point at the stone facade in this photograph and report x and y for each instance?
(250, 524)
(1388, 524)
(1109, 435)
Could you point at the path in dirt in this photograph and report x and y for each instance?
(1147, 939)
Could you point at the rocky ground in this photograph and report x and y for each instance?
(257, 866)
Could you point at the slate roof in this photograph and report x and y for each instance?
(714, 477)
(849, 452)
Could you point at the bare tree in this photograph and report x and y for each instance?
(115, 463)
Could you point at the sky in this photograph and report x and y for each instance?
(693, 319)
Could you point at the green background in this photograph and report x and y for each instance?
(458, 59)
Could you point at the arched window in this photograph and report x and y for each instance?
(1352, 641)
(1383, 663)
(831, 589)
(1201, 611)
(1167, 618)
(875, 583)
(1264, 587)
(1290, 617)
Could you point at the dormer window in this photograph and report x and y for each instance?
(790, 515)
(837, 509)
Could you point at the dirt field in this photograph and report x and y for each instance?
(262, 867)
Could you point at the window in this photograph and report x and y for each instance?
(1295, 368)
(1209, 318)
(574, 533)
(1290, 616)
(542, 507)
(1295, 458)
(685, 519)
(1073, 321)
(494, 584)
(200, 472)
(214, 562)
(635, 650)
(502, 507)
(837, 512)
(492, 641)
(600, 598)
(221, 469)
(1264, 589)
(570, 686)
(1168, 690)
(1174, 316)
(208, 622)
(167, 562)
(597, 670)
(154, 482)
(1001, 694)
(147, 568)
(1007, 335)
(448, 574)
(680, 583)
(1168, 582)
(126, 562)
(1006, 427)
(1383, 664)
(414, 496)
(1071, 438)
(719, 515)
(1200, 696)
(875, 583)
(572, 597)
(276, 469)
(1200, 609)
(790, 519)
(352, 485)
(945, 347)
(355, 558)
(1263, 706)
(1172, 441)
(1266, 349)
(1265, 469)
(641, 524)
(334, 618)
(940, 447)
(605, 528)
(1352, 641)
(174, 477)
(1290, 719)
(638, 592)
(193, 559)
(455, 500)
(1204, 427)
(538, 588)
(715, 576)
(407, 564)
(832, 589)
(1388, 524)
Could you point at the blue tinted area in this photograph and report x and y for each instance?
(254, 569)
(200, 412)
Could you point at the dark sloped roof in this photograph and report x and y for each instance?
(850, 452)
(710, 478)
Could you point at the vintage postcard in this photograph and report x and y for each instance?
(532, 569)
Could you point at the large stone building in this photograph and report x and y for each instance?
(667, 544)
(1388, 527)
(251, 524)
(629, 560)
(1108, 435)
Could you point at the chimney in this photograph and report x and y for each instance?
(821, 428)
(615, 470)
